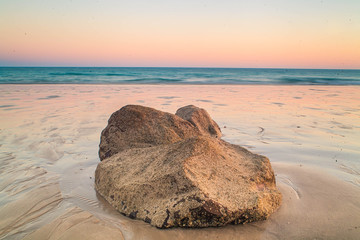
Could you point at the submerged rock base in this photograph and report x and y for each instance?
(174, 170)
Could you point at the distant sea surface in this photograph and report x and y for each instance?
(240, 76)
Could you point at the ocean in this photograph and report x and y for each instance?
(125, 75)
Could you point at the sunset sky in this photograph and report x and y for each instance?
(186, 33)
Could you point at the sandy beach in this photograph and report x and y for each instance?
(49, 137)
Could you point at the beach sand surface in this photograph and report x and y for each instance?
(49, 137)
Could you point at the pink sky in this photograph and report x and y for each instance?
(289, 34)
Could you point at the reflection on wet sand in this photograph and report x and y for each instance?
(49, 140)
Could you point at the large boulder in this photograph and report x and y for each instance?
(185, 176)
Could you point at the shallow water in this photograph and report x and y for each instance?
(143, 75)
(50, 134)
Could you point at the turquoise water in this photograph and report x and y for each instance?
(99, 75)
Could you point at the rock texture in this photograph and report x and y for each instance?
(136, 126)
(200, 119)
(173, 170)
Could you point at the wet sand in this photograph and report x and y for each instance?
(49, 141)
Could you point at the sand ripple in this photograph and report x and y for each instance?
(32, 205)
(76, 224)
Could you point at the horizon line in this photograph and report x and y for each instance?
(291, 68)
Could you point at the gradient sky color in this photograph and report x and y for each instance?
(186, 33)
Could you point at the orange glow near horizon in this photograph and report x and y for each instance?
(170, 38)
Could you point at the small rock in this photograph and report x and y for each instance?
(200, 119)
